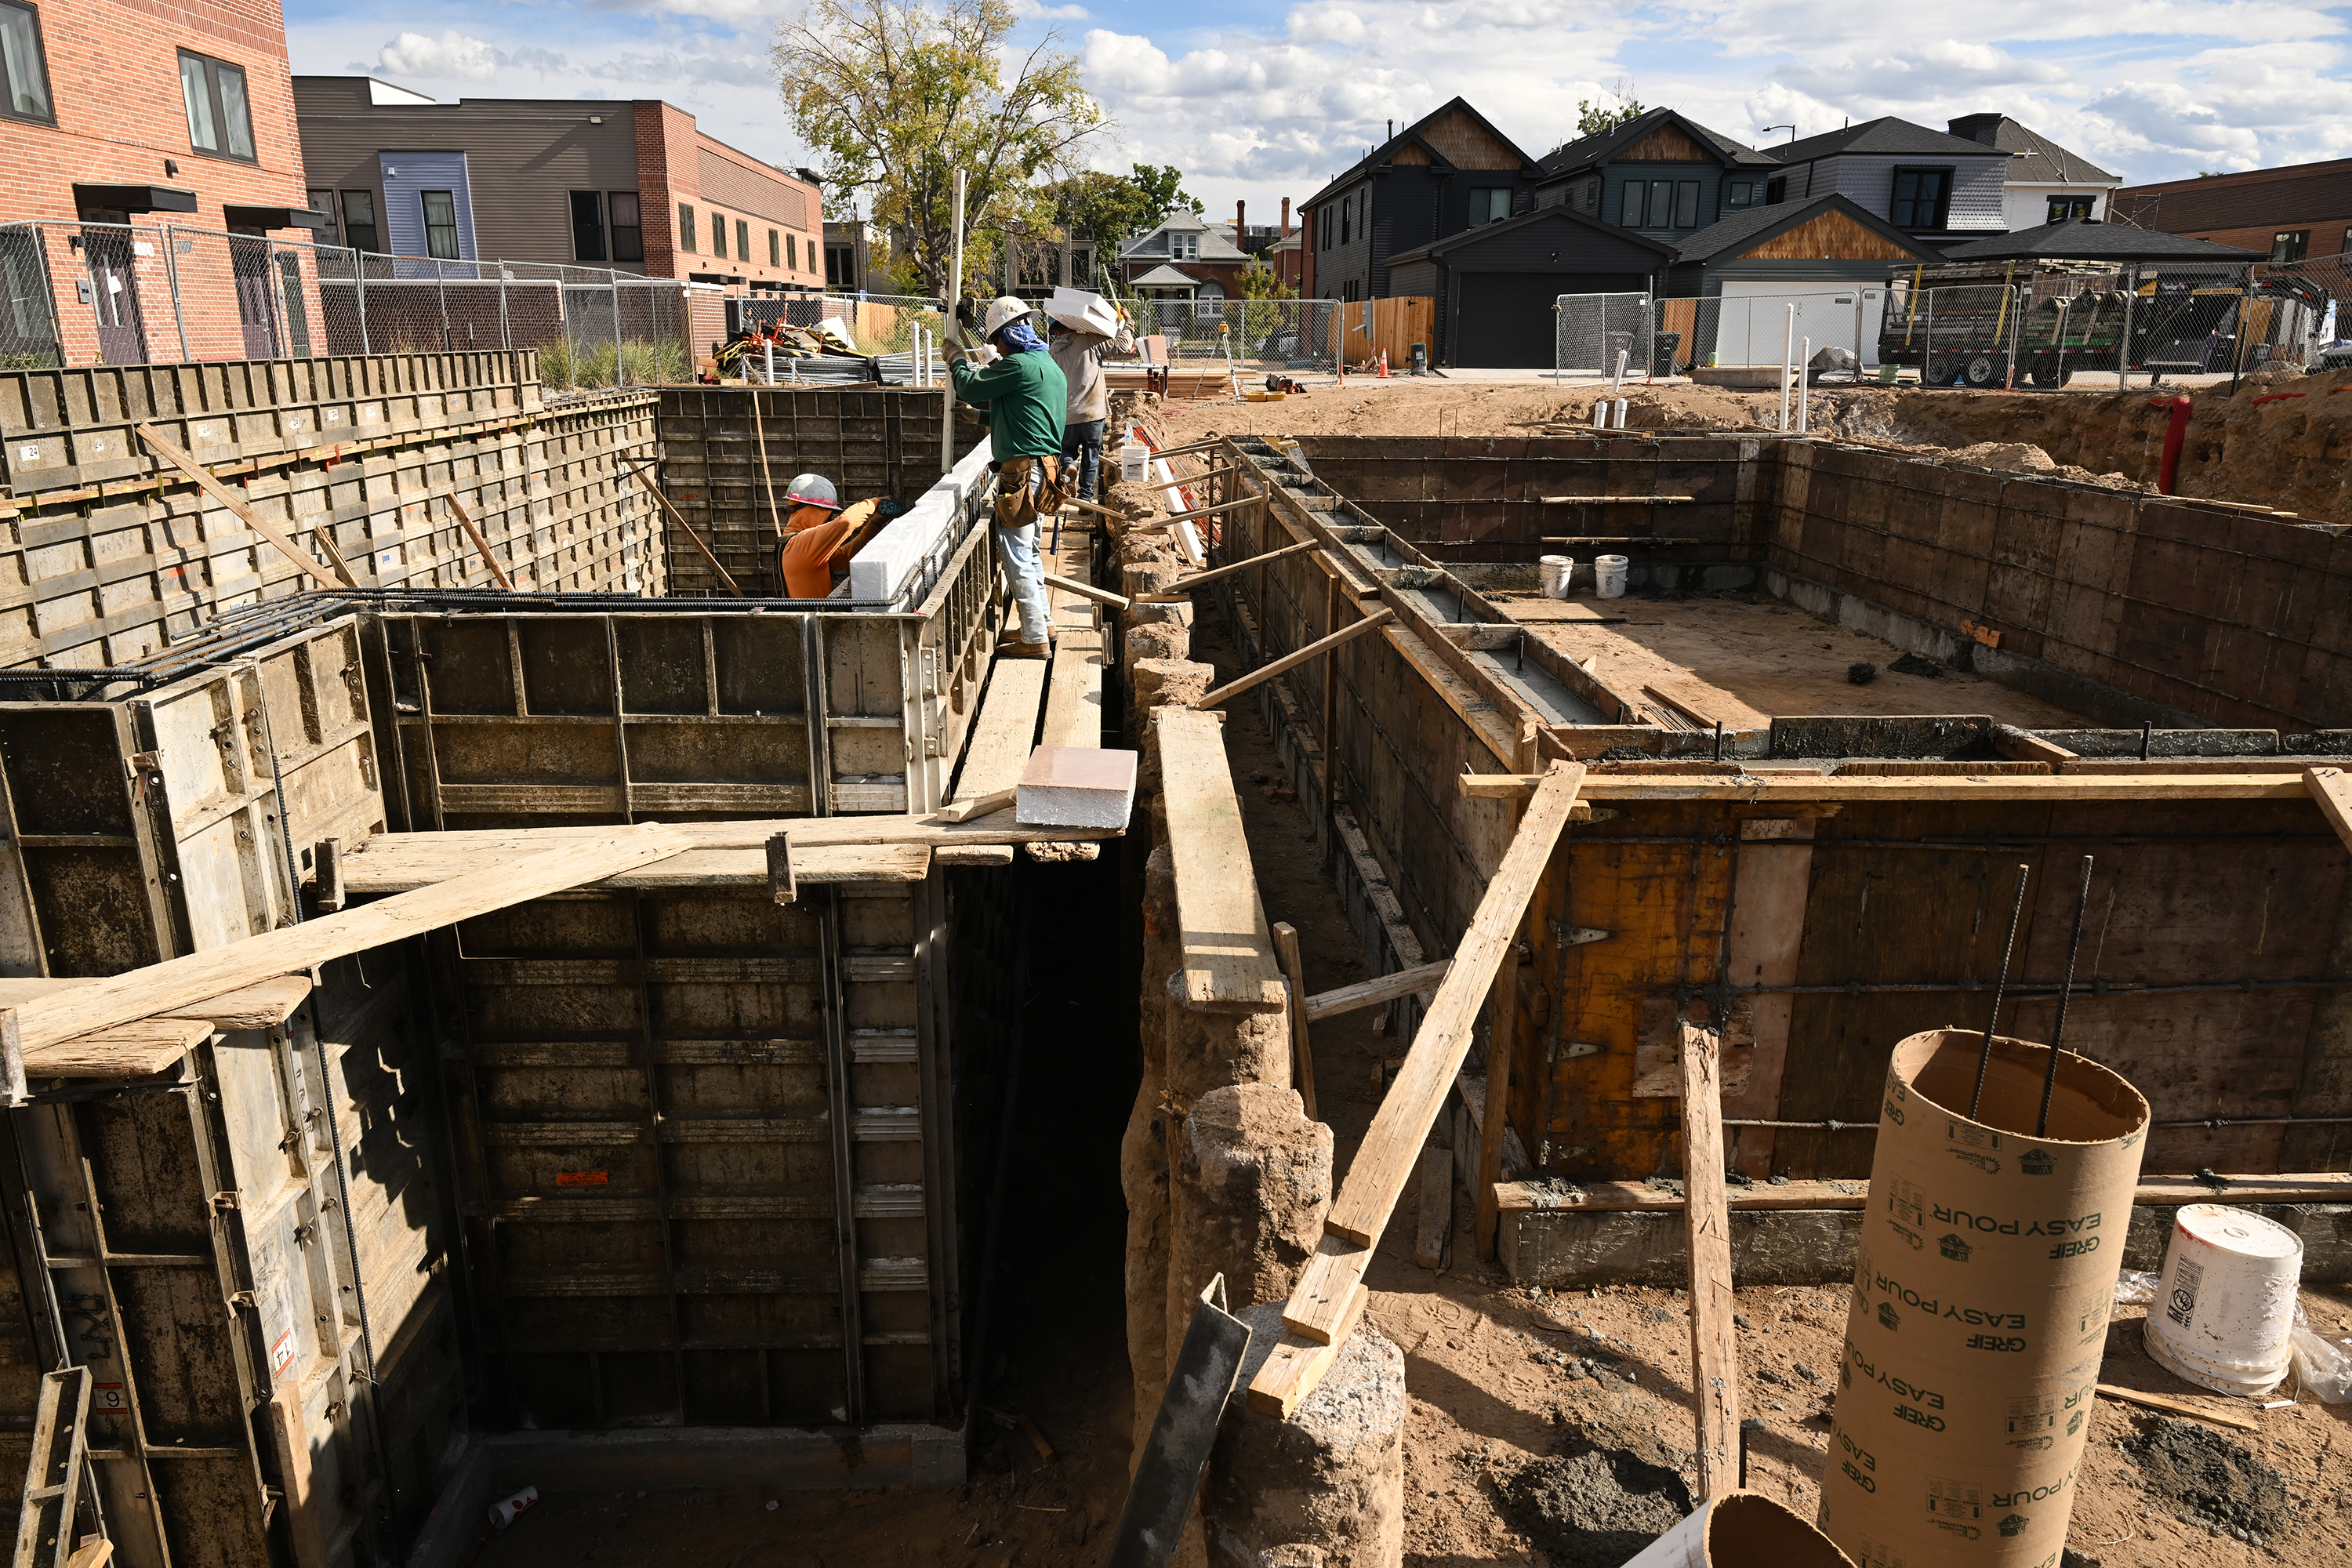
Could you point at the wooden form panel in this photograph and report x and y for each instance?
(869, 441)
(537, 719)
(673, 1109)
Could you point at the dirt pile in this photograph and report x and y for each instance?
(2207, 1479)
(1590, 1507)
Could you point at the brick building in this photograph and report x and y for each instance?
(117, 109)
(2300, 211)
(629, 185)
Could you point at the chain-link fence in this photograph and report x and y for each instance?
(1592, 333)
(1259, 336)
(85, 293)
(877, 324)
(2311, 322)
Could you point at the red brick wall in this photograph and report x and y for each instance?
(670, 153)
(114, 79)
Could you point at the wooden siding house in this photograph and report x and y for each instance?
(1659, 174)
(1449, 171)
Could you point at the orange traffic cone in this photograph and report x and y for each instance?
(1384, 364)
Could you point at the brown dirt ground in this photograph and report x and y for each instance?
(1743, 658)
(2265, 445)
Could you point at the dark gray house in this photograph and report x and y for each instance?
(1827, 258)
(1447, 172)
(1659, 174)
(1943, 189)
(1496, 285)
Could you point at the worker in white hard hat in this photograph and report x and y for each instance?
(820, 536)
(1079, 346)
(1026, 398)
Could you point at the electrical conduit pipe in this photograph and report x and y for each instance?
(2174, 434)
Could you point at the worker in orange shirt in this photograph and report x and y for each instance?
(822, 535)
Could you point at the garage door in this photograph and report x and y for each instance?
(1505, 319)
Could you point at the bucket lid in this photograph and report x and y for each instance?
(1555, 560)
(2236, 1230)
(1610, 560)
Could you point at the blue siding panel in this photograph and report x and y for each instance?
(407, 176)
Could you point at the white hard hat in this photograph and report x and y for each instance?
(1003, 312)
(812, 489)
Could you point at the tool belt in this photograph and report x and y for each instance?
(1028, 488)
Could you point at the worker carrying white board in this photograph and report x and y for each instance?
(1087, 330)
(1014, 377)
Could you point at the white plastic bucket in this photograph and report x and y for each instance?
(1741, 1529)
(2225, 1302)
(1556, 572)
(1608, 575)
(1133, 457)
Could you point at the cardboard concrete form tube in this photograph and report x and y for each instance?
(1741, 1529)
(1986, 1270)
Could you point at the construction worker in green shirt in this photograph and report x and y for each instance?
(1014, 378)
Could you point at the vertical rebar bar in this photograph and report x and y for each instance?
(2000, 988)
(172, 274)
(2065, 990)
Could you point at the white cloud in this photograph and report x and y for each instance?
(1031, 10)
(452, 55)
(1327, 25)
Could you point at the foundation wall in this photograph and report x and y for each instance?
(869, 441)
(2221, 957)
(105, 552)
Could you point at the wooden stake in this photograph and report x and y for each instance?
(2332, 788)
(1265, 673)
(1502, 1036)
(780, 882)
(1086, 591)
(1436, 1215)
(1186, 585)
(2178, 1408)
(1302, 1060)
(1373, 992)
(1154, 524)
(977, 806)
(466, 520)
(1715, 1345)
(324, 575)
(325, 540)
(759, 434)
(679, 517)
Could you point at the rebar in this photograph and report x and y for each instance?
(1999, 986)
(2058, 1029)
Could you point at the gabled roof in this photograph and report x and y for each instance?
(1887, 137)
(1486, 231)
(1742, 231)
(1164, 276)
(2044, 162)
(1575, 157)
(1214, 245)
(1386, 150)
(2081, 239)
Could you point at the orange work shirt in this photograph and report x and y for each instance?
(818, 538)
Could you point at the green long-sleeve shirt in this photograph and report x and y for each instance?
(1025, 396)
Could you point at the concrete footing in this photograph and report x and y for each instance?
(1326, 1487)
(1562, 1249)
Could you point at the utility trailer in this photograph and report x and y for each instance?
(1988, 324)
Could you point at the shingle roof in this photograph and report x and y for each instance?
(2080, 239)
(1745, 228)
(2045, 161)
(1163, 277)
(1887, 137)
(1603, 145)
(1381, 154)
(1214, 245)
(1486, 231)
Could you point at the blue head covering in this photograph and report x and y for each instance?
(1020, 337)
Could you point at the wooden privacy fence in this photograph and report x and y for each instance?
(1362, 328)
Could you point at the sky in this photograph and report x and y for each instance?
(1258, 103)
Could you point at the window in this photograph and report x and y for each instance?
(587, 225)
(840, 267)
(1662, 203)
(1347, 211)
(440, 224)
(1592, 195)
(1184, 247)
(1631, 216)
(219, 121)
(1686, 203)
(1737, 193)
(742, 240)
(775, 256)
(685, 228)
(27, 71)
(359, 221)
(1922, 198)
(718, 234)
(2293, 246)
(1776, 190)
(324, 201)
(1323, 228)
(1489, 204)
(2064, 207)
(628, 227)
(792, 252)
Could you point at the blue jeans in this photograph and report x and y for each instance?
(1083, 445)
(1017, 547)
